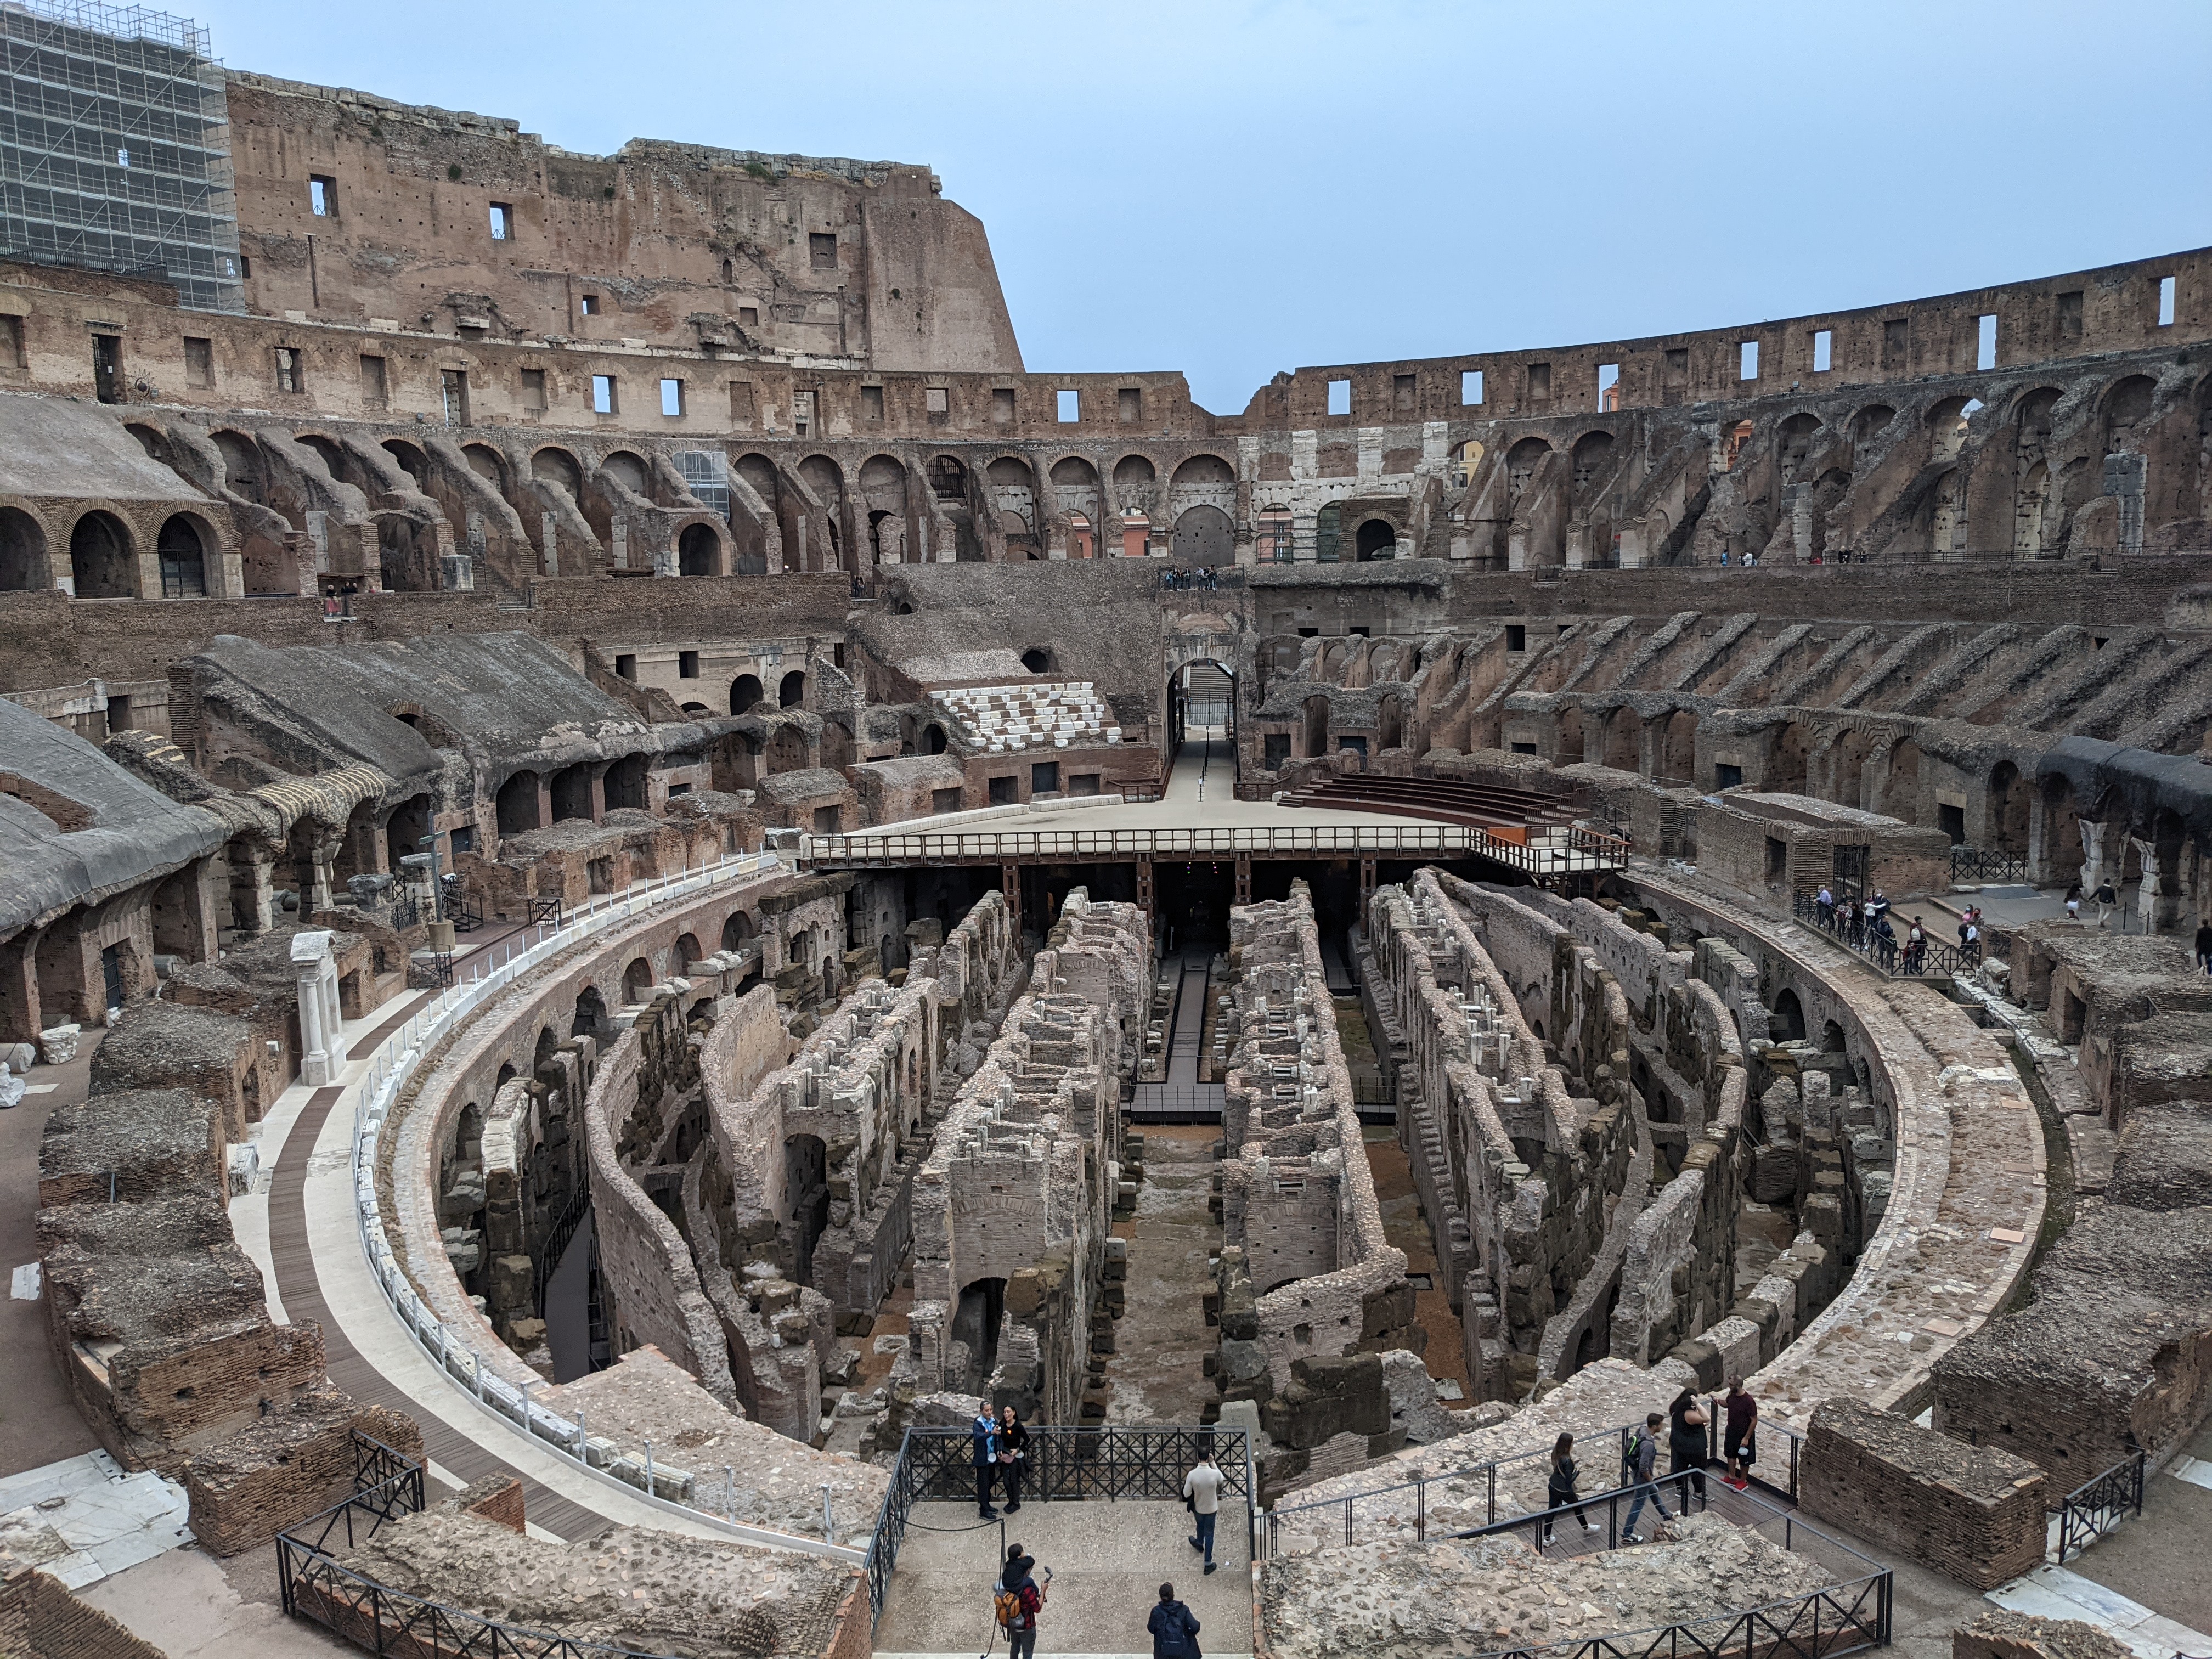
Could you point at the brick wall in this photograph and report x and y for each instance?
(2001, 1633)
(1972, 1514)
(285, 1468)
(496, 1498)
(41, 1620)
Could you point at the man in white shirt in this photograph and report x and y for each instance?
(1202, 1491)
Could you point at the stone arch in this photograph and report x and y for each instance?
(548, 1046)
(1037, 659)
(1847, 760)
(791, 692)
(243, 473)
(1793, 442)
(739, 930)
(1521, 464)
(572, 793)
(2126, 406)
(626, 783)
(591, 1013)
(1871, 422)
(638, 982)
(1204, 535)
(1591, 452)
(629, 470)
(182, 549)
(1675, 760)
(1377, 538)
(699, 550)
(1390, 722)
(1787, 1023)
(515, 803)
(1785, 761)
(1624, 740)
(745, 690)
(555, 465)
(948, 478)
(22, 551)
(102, 565)
(487, 464)
(412, 461)
(1134, 477)
(1947, 426)
(1203, 471)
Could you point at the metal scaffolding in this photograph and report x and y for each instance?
(115, 147)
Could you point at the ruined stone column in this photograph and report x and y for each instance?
(322, 1028)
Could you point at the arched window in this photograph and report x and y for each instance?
(184, 560)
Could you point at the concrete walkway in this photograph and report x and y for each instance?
(1157, 1371)
(1107, 1561)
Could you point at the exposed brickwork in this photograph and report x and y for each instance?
(1974, 1515)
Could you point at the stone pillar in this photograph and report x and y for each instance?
(2093, 855)
(252, 905)
(544, 799)
(599, 787)
(21, 1010)
(322, 1027)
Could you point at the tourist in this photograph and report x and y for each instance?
(1174, 1631)
(1642, 1460)
(1560, 1485)
(1916, 947)
(983, 1441)
(1687, 1442)
(1825, 903)
(1970, 942)
(1202, 1495)
(2107, 898)
(1740, 1427)
(1016, 1599)
(1013, 1451)
(2074, 902)
(1878, 906)
(2205, 947)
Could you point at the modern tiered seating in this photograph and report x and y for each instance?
(1002, 719)
(1450, 800)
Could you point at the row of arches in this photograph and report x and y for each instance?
(104, 555)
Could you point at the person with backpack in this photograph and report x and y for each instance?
(1174, 1631)
(1637, 1469)
(1559, 1486)
(983, 1443)
(1687, 1445)
(1016, 1600)
(1742, 1435)
(1202, 1491)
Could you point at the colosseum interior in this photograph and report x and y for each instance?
(616, 905)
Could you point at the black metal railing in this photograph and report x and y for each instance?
(1843, 1618)
(2096, 1506)
(1846, 922)
(387, 1487)
(1103, 1465)
(1385, 1505)
(1987, 864)
(430, 970)
(556, 1241)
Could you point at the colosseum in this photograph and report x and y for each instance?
(634, 1021)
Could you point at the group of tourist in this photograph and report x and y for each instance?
(1204, 580)
(1000, 1448)
(1865, 925)
(1685, 1425)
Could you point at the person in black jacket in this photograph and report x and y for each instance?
(1013, 1453)
(1560, 1485)
(1687, 1444)
(1175, 1632)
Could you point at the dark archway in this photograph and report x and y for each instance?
(591, 1013)
(183, 557)
(806, 1189)
(745, 692)
(22, 551)
(699, 551)
(792, 692)
(626, 783)
(1788, 1024)
(1378, 539)
(572, 793)
(1204, 535)
(637, 981)
(101, 566)
(517, 803)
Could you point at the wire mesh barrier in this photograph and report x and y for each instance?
(2096, 1506)
(1178, 1102)
(1899, 957)
(1987, 864)
(1102, 1465)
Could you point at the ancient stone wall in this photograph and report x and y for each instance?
(1973, 1515)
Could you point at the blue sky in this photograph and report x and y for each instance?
(1238, 187)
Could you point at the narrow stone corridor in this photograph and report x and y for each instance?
(1157, 1373)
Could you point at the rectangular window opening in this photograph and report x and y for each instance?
(1985, 341)
(1129, 404)
(11, 342)
(376, 389)
(625, 667)
(1824, 346)
(199, 362)
(741, 403)
(502, 222)
(802, 409)
(1403, 393)
(672, 398)
(822, 250)
(1748, 360)
(2166, 301)
(1470, 386)
(872, 404)
(603, 394)
(1539, 383)
(591, 305)
(936, 400)
(291, 370)
(1002, 405)
(1608, 386)
(945, 800)
(687, 665)
(322, 195)
(1070, 405)
(1339, 397)
(533, 389)
(1516, 636)
(453, 386)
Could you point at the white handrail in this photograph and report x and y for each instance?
(389, 1070)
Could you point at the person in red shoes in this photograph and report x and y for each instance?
(1741, 1432)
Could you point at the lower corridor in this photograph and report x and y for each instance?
(1157, 1373)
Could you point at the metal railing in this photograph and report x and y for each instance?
(466, 1367)
(1559, 851)
(1102, 1465)
(557, 1239)
(358, 1609)
(1845, 923)
(2096, 1506)
(1987, 864)
(1385, 1506)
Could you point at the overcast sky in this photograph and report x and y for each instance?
(1231, 187)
